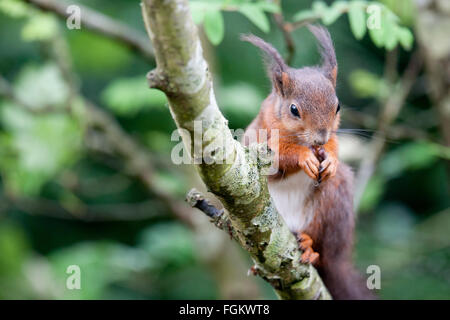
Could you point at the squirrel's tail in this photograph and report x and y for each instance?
(345, 283)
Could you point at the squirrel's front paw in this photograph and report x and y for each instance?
(328, 167)
(309, 163)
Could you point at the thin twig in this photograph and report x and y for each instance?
(101, 24)
(289, 41)
(197, 200)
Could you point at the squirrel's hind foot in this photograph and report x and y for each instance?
(305, 244)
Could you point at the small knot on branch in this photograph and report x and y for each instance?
(263, 154)
(157, 80)
(253, 271)
(197, 200)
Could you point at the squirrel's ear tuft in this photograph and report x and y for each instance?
(329, 64)
(276, 66)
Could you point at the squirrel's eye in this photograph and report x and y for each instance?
(338, 108)
(294, 110)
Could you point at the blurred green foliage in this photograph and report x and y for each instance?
(54, 169)
(130, 96)
(208, 14)
(36, 148)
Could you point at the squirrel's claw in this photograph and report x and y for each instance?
(309, 256)
(309, 164)
(304, 241)
(305, 244)
(328, 168)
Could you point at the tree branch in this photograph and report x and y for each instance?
(197, 200)
(284, 28)
(101, 24)
(233, 175)
(137, 162)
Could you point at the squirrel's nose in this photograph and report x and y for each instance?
(321, 137)
(319, 142)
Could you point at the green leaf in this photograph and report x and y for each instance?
(14, 8)
(376, 20)
(168, 245)
(41, 86)
(97, 55)
(441, 150)
(404, 9)
(40, 27)
(102, 264)
(390, 28)
(14, 248)
(377, 36)
(366, 84)
(269, 6)
(319, 6)
(158, 142)
(405, 37)
(240, 100)
(197, 12)
(40, 147)
(256, 15)
(169, 182)
(128, 96)
(199, 8)
(305, 15)
(214, 26)
(357, 19)
(334, 12)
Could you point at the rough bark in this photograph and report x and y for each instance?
(233, 175)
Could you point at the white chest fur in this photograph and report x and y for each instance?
(290, 195)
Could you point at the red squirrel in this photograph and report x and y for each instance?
(312, 190)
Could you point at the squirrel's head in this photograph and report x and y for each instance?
(306, 105)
